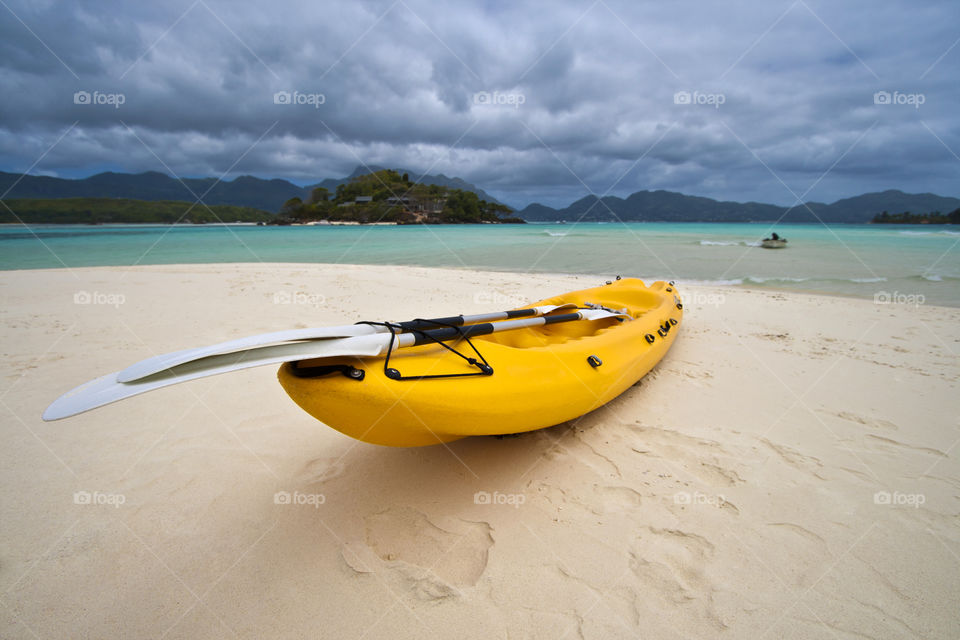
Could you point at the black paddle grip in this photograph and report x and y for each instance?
(452, 333)
(563, 317)
(433, 323)
(471, 330)
(456, 321)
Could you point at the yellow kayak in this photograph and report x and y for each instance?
(506, 382)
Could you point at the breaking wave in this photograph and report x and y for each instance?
(728, 243)
(942, 232)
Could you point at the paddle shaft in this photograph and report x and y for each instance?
(109, 388)
(163, 362)
(459, 321)
(486, 328)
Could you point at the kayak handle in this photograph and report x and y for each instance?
(440, 336)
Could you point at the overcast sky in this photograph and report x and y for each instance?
(766, 100)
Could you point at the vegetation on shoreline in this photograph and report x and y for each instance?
(121, 210)
(386, 196)
(917, 218)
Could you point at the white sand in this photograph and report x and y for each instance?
(729, 495)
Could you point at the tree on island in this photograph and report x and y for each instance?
(387, 196)
(319, 194)
(934, 217)
(291, 206)
(123, 210)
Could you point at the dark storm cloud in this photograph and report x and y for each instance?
(531, 102)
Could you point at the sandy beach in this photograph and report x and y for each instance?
(789, 470)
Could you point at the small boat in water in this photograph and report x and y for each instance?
(774, 242)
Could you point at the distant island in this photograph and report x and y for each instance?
(642, 206)
(917, 218)
(242, 191)
(669, 206)
(124, 211)
(386, 196)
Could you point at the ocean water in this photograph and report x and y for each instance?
(906, 264)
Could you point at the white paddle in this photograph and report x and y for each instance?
(165, 361)
(110, 388)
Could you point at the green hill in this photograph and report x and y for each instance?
(439, 179)
(244, 191)
(386, 196)
(669, 206)
(122, 210)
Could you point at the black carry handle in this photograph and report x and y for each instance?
(486, 328)
(456, 321)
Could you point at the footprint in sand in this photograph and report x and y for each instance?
(711, 458)
(618, 498)
(671, 565)
(889, 445)
(456, 556)
(800, 462)
(867, 422)
(321, 470)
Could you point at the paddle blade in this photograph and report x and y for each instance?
(108, 389)
(157, 364)
(165, 361)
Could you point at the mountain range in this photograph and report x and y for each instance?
(244, 191)
(667, 206)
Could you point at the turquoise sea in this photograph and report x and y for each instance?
(904, 263)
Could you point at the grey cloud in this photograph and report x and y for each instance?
(597, 83)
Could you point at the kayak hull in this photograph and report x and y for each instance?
(541, 376)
